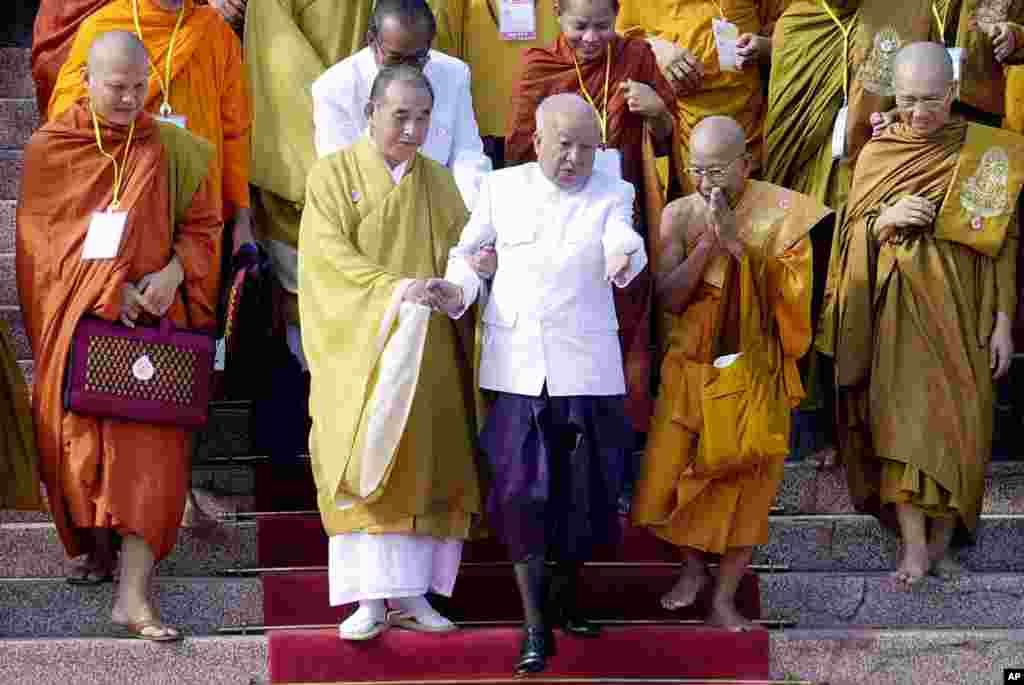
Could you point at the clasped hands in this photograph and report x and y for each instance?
(153, 294)
(725, 234)
(912, 213)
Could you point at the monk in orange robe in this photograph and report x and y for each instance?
(735, 273)
(104, 475)
(631, 96)
(206, 92)
(56, 25)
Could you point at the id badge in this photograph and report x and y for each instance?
(220, 356)
(957, 57)
(726, 35)
(517, 19)
(839, 133)
(104, 237)
(609, 161)
(178, 120)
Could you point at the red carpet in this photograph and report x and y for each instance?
(284, 486)
(318, 656)
(288, 541)
(489, 594)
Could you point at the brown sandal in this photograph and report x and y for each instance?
(135, 630)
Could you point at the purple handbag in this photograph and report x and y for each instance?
(153, 375)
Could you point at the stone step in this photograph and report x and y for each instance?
(16, 325)
(837, 657)
(11, 165)
(47, 607)
(19, 117)
(16, 73)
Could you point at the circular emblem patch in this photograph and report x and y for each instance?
(143, 368)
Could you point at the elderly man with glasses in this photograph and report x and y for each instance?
(920, 300)
(401, 32)
(734, 271)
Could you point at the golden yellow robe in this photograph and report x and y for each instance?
(714, 514)
(19, 460)
(910, 326)
(495, 62)
(391, 453)
(207, 83)
(687, 23)
(805, 92)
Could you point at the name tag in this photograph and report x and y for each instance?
(178, 120)
(956, 55)
(104, 237)
(220, 356)
(839, 133)
(609, 161)
(726, 35)
(518, 19)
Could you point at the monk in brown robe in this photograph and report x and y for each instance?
(734, 270)
(106, 476)
(920, 302)
(621, 79)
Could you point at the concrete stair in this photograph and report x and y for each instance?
(852, 626)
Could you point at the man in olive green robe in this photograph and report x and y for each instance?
(392, 383)
(921, 297)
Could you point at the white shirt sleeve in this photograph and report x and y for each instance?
(478, 232)
(620, 237)
(469, 164)
(337, 116)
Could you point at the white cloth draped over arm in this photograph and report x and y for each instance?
(620, 237)
(468, 163)
(478, 232)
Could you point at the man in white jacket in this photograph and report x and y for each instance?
(556, 434)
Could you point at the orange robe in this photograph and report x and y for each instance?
(56, 25)
(687, 23)
(107, 473)
(549, 71)
(208, 83)
(715, 514)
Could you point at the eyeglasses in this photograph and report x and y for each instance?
(417, 59)
(714, 173)
(930, 102)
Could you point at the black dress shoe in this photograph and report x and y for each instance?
(538, 644)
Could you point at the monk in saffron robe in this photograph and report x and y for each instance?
(621, 78)
(206, 91)
(392, 394)
(105, 475)
(731, 229)
(19, 461)
(922, 296)
(681, 35)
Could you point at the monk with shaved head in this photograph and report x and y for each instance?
(734, 273)
(105, 168)
(921, 293)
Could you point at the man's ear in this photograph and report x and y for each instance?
(368, 110)
(536, 142)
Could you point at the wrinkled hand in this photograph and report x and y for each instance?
(723, 219)
(642, 99)
(1004, 40)
(445, 296)
(417, 293)
(881, 121)
(684, 71)
(911, 211)
(131, 305)
(1001, 346)
(157, 290)
(484, 262)
(233, 12)
(752, 48)
(616, 268)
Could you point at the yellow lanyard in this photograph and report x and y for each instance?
(118, 168)
(165, 82)
(602, 117)
(845, 30)
(941, 20)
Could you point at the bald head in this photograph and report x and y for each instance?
(718, 159)
(117, 76)
(566, 140)
(923, 61)
(718, 134)
(923, 79)
(117, 47)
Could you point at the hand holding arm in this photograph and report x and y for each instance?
(751, 49)
(645, 101)
(910, 212)
(684, 71)
(157, 290)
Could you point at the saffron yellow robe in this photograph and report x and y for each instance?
(910, 326)
(687, 23)
(392, 383)
(207, 85)
(715, 514)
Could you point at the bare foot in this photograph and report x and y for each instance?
(685, 591)
(913, 567)
(144, 622)
(724, 615)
